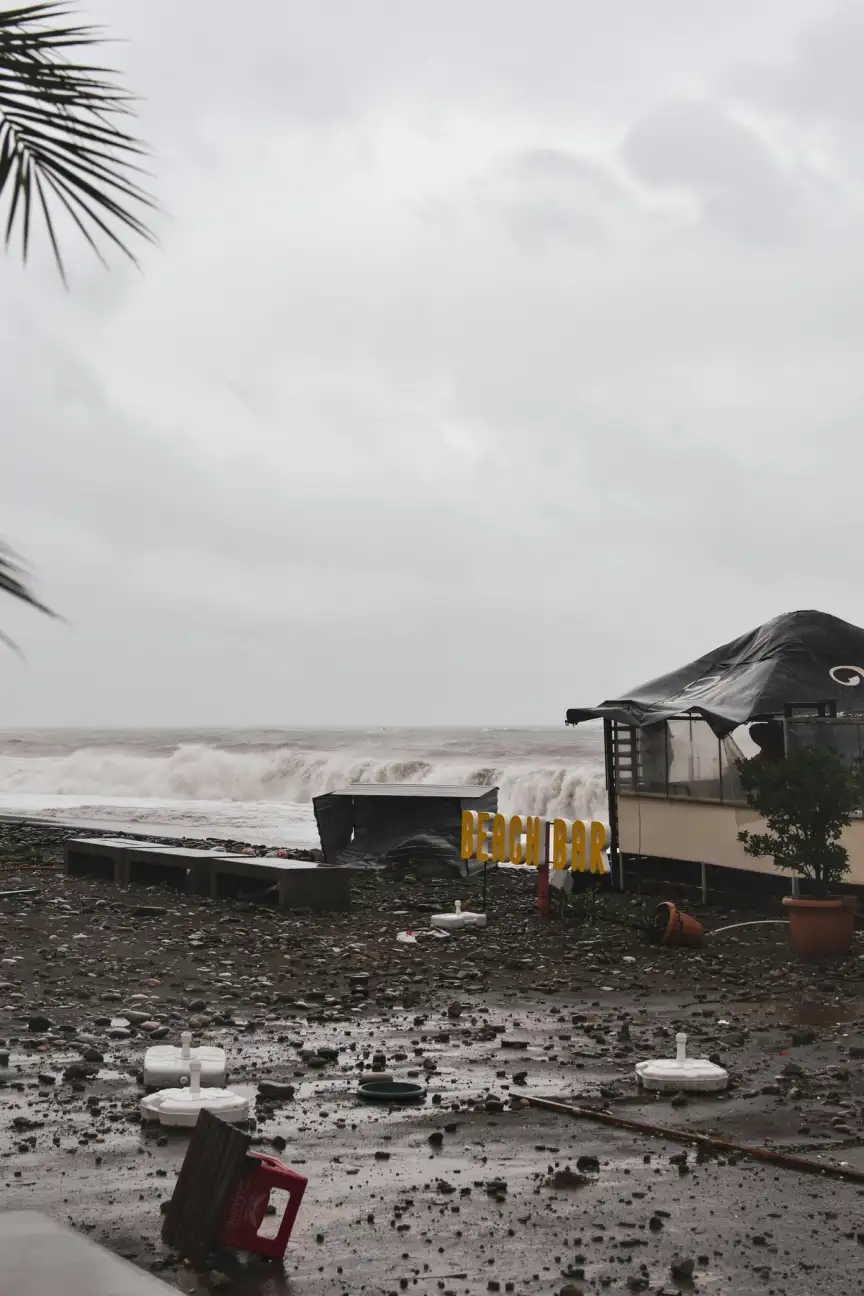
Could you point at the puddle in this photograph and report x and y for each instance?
(808, 1012)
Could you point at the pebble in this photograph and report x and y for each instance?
(682, 1267)
(275, 1089)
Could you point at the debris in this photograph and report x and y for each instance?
(681, 1074)
(567, 1178)
(166, 1064)
(214, 1201)
(702, 1140)
(184, 1106)
(275, 1089)
(674, 928)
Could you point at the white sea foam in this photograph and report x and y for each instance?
(254, 784)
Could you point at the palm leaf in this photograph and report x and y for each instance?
(62, 134)
(15, 581)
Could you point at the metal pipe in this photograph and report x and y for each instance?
(700, 1140)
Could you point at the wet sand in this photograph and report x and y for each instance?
(486, 1017)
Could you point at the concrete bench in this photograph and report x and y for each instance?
(39, 1257)
(291, 884)
(294, 884)
(118, 860)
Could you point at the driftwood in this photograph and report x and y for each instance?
(700, 1140)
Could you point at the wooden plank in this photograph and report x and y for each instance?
(215, 1161)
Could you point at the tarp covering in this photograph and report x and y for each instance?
(803, 658)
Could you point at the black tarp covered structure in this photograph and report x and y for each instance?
(798, 659)
(406, 823)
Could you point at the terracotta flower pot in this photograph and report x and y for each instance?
(680, 928)
(821, 929)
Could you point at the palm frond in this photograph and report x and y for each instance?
(62, 134)
(15, 581)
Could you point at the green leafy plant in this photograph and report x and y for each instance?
(806, 800)
(15, 581)
(63, 142)
(63, 145)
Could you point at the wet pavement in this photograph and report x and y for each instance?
(483, 1019)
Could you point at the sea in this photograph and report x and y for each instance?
(257, 785)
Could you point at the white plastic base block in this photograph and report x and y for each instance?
(681, 1073)
(166, 1064)
(183, 1106)
(459, 919)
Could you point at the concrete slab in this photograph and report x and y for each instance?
(295, 884)
(39, 1257)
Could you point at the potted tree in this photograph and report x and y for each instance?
(806, 800)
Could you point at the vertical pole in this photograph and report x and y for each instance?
(485, 871)
(615, 858)
(704, 868)
(543, 875)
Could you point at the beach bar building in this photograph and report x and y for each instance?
(672, 745)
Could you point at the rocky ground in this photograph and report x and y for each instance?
(470, 1192)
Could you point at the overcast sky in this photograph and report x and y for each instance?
(496, 357)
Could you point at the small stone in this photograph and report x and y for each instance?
(680, 1100)
(454, 1010)
(567, 1178)
(36, 1025)
(78, 1071)
(682, 1267)
(275, 1089)
(436, 1138)
(47, 1078)
(588, 1165)
(804, 1036)
(149, 911)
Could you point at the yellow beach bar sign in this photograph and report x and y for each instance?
(579, 845)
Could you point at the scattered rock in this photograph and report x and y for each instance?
(567, 1178)
(682, 1267)
(276, 1089)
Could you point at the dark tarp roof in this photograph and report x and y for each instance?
(800, 657)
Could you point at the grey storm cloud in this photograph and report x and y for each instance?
(494, 356)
